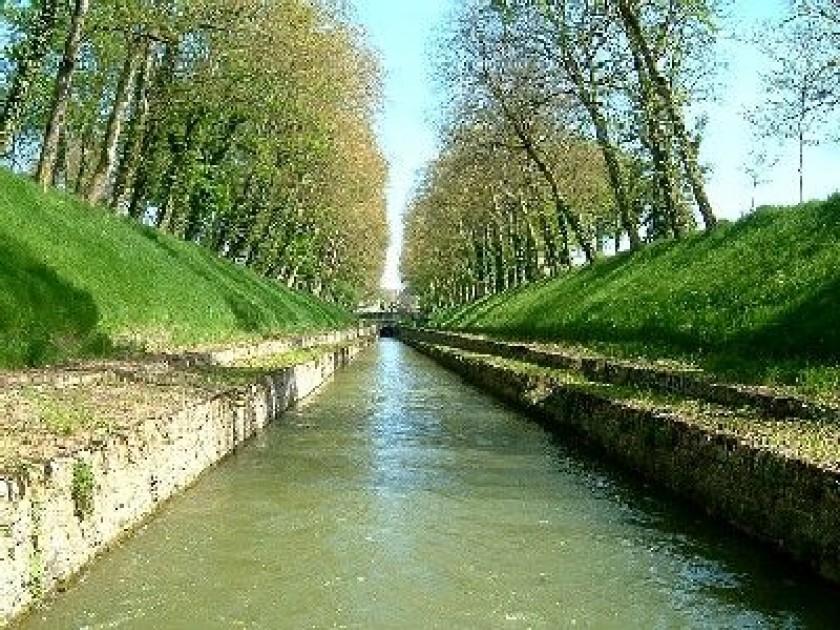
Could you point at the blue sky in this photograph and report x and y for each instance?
(401, 30)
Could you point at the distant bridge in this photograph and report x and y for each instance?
(389, 321)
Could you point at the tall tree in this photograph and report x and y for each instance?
(29, 57)
(802, 82)
(489, 61)
(128, 164)
(638, 40)
(61, 93)
(135, 49)
(580, 37)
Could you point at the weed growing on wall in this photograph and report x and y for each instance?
(82, 489)
(63, 420)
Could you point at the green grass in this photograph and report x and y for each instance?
(757, 300)
(78, 281)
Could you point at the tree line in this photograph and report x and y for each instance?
(571, 129)
(242, 125)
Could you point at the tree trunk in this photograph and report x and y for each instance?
(153, 136)
(85, 142)
(569, 217)
(685, 146)
(662, 163)
(122, 101)
(550, 257)
(801, 168)
(179, 149)
(127, 170)
(563, 229)
(235, 241)
(61, 158)
(560, 205)
(31, 58)
(499, 260)
(531, 253)
(61, 93)
(515, 245)
(659, 146)
(610, 154)
(801, 138)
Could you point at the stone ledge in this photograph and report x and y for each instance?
(598, 368)
(101, 371)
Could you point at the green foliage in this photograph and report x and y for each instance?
(231, 123)
(77, 281)
(82, 489)
(759, 294)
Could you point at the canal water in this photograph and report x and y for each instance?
(399, 497)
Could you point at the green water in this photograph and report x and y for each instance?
(398, 497)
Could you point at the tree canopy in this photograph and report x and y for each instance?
(568, 128)
(242, 125)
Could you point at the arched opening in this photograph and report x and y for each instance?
(388, 330)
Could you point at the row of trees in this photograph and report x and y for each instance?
(586, 107)
(568, 127)
(483, 218)
(244, 125)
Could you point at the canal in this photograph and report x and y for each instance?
(398, 497)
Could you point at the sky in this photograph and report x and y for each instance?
(401, 31)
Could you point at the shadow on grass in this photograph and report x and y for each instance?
(762, 290)
(253, 305)
(809, 331)
(43, 318)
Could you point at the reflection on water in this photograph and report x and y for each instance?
(399, 497)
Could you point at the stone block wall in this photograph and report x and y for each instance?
(683, 382)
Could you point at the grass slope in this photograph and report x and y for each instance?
(76, 280)
(759, 297)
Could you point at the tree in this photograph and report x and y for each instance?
(136, 47)
(61, 94)
(640, 43)
(802, 83)
(759, 161)
(489, 59)
(483, 217)
(242, 125)
(578, 39)
(130, 158)
(29, 56)
(600, 48)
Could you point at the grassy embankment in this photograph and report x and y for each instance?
(79, 281)
(756, 301)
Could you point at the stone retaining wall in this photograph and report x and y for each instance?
(226, 356)
(88, 373)
(684, 382)
(791, 504)
(54, 518)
